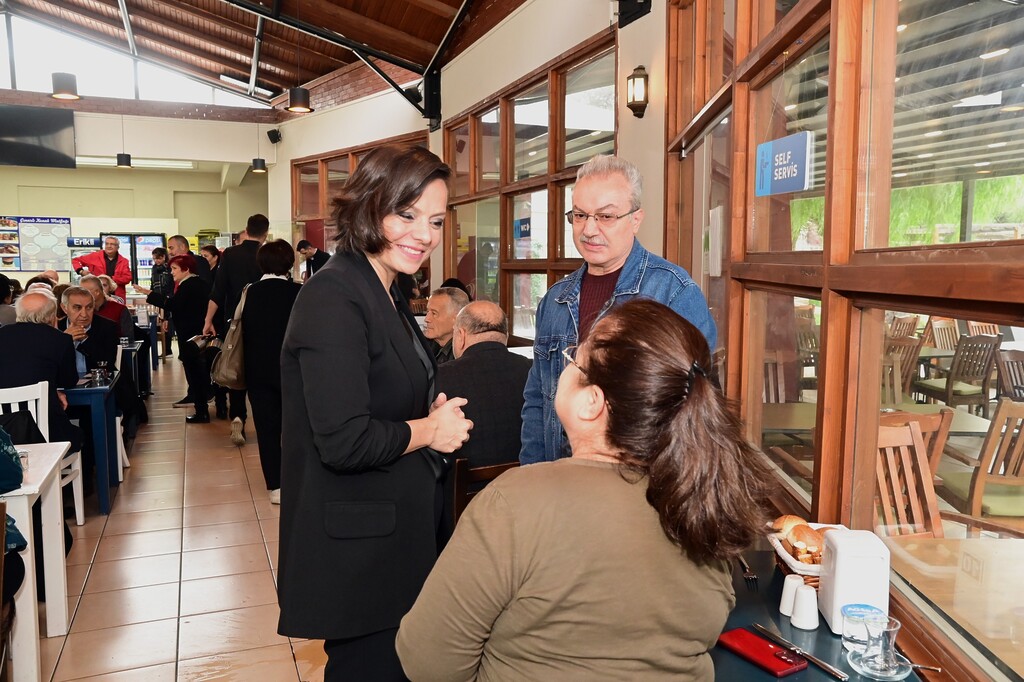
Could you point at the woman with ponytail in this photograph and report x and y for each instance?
(614, 563)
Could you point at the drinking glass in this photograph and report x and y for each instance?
(879, 660)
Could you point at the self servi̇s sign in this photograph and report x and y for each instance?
(785, 165)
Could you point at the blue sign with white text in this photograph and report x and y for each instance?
(785, 165)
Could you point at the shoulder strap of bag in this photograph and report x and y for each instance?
(241, 303)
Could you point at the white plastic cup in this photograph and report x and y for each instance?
(789, 587)
(805, 608)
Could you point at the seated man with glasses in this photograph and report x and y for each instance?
(605, 217)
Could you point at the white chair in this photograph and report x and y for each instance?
(36, 399)
(122, 453)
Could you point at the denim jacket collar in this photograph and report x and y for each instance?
(629, 278)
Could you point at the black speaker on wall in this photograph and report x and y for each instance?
(274, 135)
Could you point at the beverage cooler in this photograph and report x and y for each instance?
(138, 249)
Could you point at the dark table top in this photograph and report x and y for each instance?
(762, 606)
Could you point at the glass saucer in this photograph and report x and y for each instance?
(902, 670)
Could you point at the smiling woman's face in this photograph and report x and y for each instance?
(412, 233)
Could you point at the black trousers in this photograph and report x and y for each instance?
(266, 416)
(370, 658)
(197, 376)
(236, 406)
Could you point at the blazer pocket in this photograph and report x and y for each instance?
(353, 520)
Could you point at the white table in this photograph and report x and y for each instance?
(41, 481)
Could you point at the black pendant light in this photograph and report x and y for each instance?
(259, 164)
(123, 160)
(298, 101)
(65, 86)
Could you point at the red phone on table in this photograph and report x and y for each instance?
(762, 653)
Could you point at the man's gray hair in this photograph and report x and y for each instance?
(457, 298)
(73, 291)
(605, 164)
(45, 313)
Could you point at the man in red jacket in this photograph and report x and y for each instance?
(106, 261)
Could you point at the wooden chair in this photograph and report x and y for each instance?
(774, 390)
(465, 477)
(36, 399)
(934, 429)
(122, 452)
(946, 332)
(975, 328)
(970, 375)
(892, 380)
(903, 325)
(905, 501)
(1010, 365)
(996, 486)
(907, 348)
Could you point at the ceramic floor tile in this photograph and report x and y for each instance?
(153, 673)
(219, 513)
(134, 545)
(124, 607)
(222, 632)
(227, 592)
(114, 649)
(143, 469)
(82, 551)
(271, 529)
(49, 651)
(125, 573)
(141, 522)
(158, 446)
(310, 659)
(272, 548)
(213, 479)
(92, 528)
(149, 484)
(199, 467)
(221, 535)
(269, 663)
(207, 563)
(76, 578)
(266, 510)
(126, 504)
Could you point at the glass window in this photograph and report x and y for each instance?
(527, 290)
(590, 110)
(309, 189)
(230, 99)
(489, 151)
(722, 47)
(949, 121)
(531, 133)
(5, 65)
(164, 85)
(794, 103)
(459, 155)
(569, 249)
(477, 227)
(337, 176)
(530, 225)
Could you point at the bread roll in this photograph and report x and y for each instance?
(807, 535)
(784, 524)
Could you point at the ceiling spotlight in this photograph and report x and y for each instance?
(298, 101)
(65, 86)
(124, 160)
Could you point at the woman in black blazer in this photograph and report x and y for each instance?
(360, 498)
(187, 306)
(268, 304)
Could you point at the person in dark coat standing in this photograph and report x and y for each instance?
(268, 304)
(237, 268)
(314, 257)
(188, 307)
(360, 492)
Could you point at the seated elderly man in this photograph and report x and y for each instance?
(33, 350)
(444, 304)
(108, 308)
(95, 338)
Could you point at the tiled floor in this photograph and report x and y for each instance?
(178, 582)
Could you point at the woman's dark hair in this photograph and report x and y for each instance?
(456, 283)
(58, 293)
(391, 178)
(160, 252)
(211, 249)
(668, 422)
(275, 258)
(185, 261)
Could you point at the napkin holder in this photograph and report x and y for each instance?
(854, 570)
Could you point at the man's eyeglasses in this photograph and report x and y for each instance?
(602, 219)
(569, 353)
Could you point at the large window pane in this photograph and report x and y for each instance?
(796, 102)
(569, 249)
(531, 133)
(527, 290)
(5, 65)
(166, 86)
(477, 227)
(590, 110)
(489, 152)
(722, 42)
(530, 225)
(948, 123)
(337, 176)
(459, 141)
(309, 189)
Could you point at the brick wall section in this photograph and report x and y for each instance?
(131, 107)
(346, 84)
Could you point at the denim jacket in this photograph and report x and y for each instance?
(643, 274)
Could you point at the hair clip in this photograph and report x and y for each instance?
(697, 369)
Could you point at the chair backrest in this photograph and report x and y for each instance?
(908, 348)
(904, 494)
(974, 358)
(934, 430)
(465, 477)
(975, 328)
(1001, 459)
(774, 378)
(1011, 373)
(945, 332)
(903, 325)
(117, 358)
(892, 380)
(35, 398)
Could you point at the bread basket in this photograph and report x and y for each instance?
(787, 563)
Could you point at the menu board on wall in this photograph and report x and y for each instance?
(34, 243)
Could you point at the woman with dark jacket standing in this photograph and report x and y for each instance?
(360, 492)
(187, 305)
(211, 254)
(268, 304)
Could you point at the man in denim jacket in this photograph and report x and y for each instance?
(605, 217)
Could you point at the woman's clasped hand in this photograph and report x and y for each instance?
(451, 428)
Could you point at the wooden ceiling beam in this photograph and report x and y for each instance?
(435, 6)
(375, 33)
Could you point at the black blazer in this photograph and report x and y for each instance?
(236, 268)
(357, 517)
(318, 260)
(492, 379)
(101, 343)
(187, 306)
(268, 305)
(30, 353)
